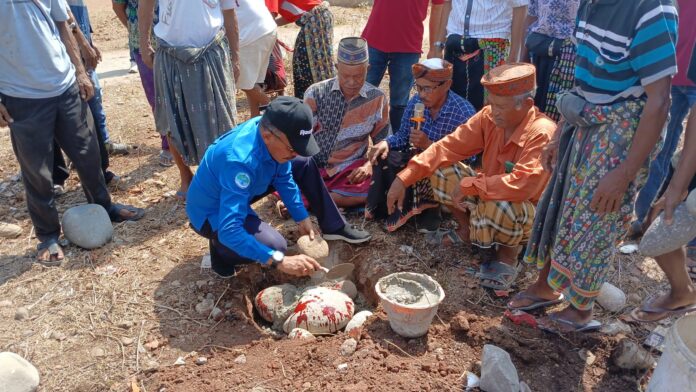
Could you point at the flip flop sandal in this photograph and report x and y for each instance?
(497, 275)
(166, 159)
(537, 302)
(53, 251)
(181, 196)
(115, 213)
(437, 237)
(590, 326)
(647, 308)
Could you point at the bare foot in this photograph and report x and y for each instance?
(661, 307)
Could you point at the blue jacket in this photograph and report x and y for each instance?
(236, 168)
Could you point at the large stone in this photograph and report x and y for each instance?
(661, 238)
(318, 249)
(498, 374)
(9, 230)
(611, 297)
(17, 374)
(321, 311)
(275, 303)
(87, 226)
(629, 355)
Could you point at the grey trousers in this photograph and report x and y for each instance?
(37, 123)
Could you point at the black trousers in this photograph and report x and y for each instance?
(37, 124)
(61, 172)
(466, 78)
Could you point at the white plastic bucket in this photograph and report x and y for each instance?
(410, 321)
(676, 369)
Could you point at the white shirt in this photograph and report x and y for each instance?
(254, 20)
(487, 18)
(190, 23)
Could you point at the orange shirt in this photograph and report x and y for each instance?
(527, 179)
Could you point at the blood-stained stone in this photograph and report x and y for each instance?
(275, 303)
(321, 311)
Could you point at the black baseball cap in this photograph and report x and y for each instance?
(294, 118)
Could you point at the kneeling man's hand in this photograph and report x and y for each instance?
(360, 174)
(378, 151)
(395, 196)
(300, 265)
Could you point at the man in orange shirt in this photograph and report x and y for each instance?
(494, 207)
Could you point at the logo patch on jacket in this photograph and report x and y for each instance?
(242, 180)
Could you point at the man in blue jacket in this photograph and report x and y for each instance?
(265, 153)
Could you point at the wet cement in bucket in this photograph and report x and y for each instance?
(406, 291)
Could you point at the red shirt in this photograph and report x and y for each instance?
(291, 10)
(685, 41)
(396, 26)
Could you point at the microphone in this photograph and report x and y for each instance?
(418, 114)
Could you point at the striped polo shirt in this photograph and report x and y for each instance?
(624, 45)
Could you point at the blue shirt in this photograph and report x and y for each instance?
(623, 46)
(235, 169)
(33, 61)
(81, 14)
(453, 113)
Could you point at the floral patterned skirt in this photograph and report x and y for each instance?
(578, 242)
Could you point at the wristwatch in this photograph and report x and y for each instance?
(277, 258)
(439, 44)
(73, 27)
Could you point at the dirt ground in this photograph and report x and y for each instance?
(117, 318)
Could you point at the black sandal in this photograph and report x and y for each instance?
(54, 250)
(115, 213)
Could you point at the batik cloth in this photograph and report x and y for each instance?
(313, 60)
(132, 14)
(554, 75)
(194, 90)
(491, 222)
(578, 242)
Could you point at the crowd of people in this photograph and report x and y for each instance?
(544, 128)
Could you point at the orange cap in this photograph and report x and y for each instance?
(510, 79)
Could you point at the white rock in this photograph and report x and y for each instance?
(22, 313)
(97, 352)
(629, 355)
(17, 374)
(87, 226)
(299, 333)
(498, 374)
(9, 230)
(615, 327)
(348, 347)
(342, 368)
(355, 325)
(204, 307)
(587, 356)
(241, 359)
(321, 311)
(611, 297)
(180, 361)
(126, 341)
(5, 303)
(217, 314)
(201, 361)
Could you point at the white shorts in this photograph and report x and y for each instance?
(253, 61)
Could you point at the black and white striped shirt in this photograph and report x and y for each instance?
(482, 18)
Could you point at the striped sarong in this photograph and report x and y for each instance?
(312, 60)
(194, 91)
(492, 222)
(578, 242)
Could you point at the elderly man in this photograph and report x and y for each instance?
(44, 103)
(247, 163)
(440, 111)
(494, 208)
(348, 113)
(197, 55)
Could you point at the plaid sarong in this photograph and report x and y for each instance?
(194, 90)
(492, 222)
